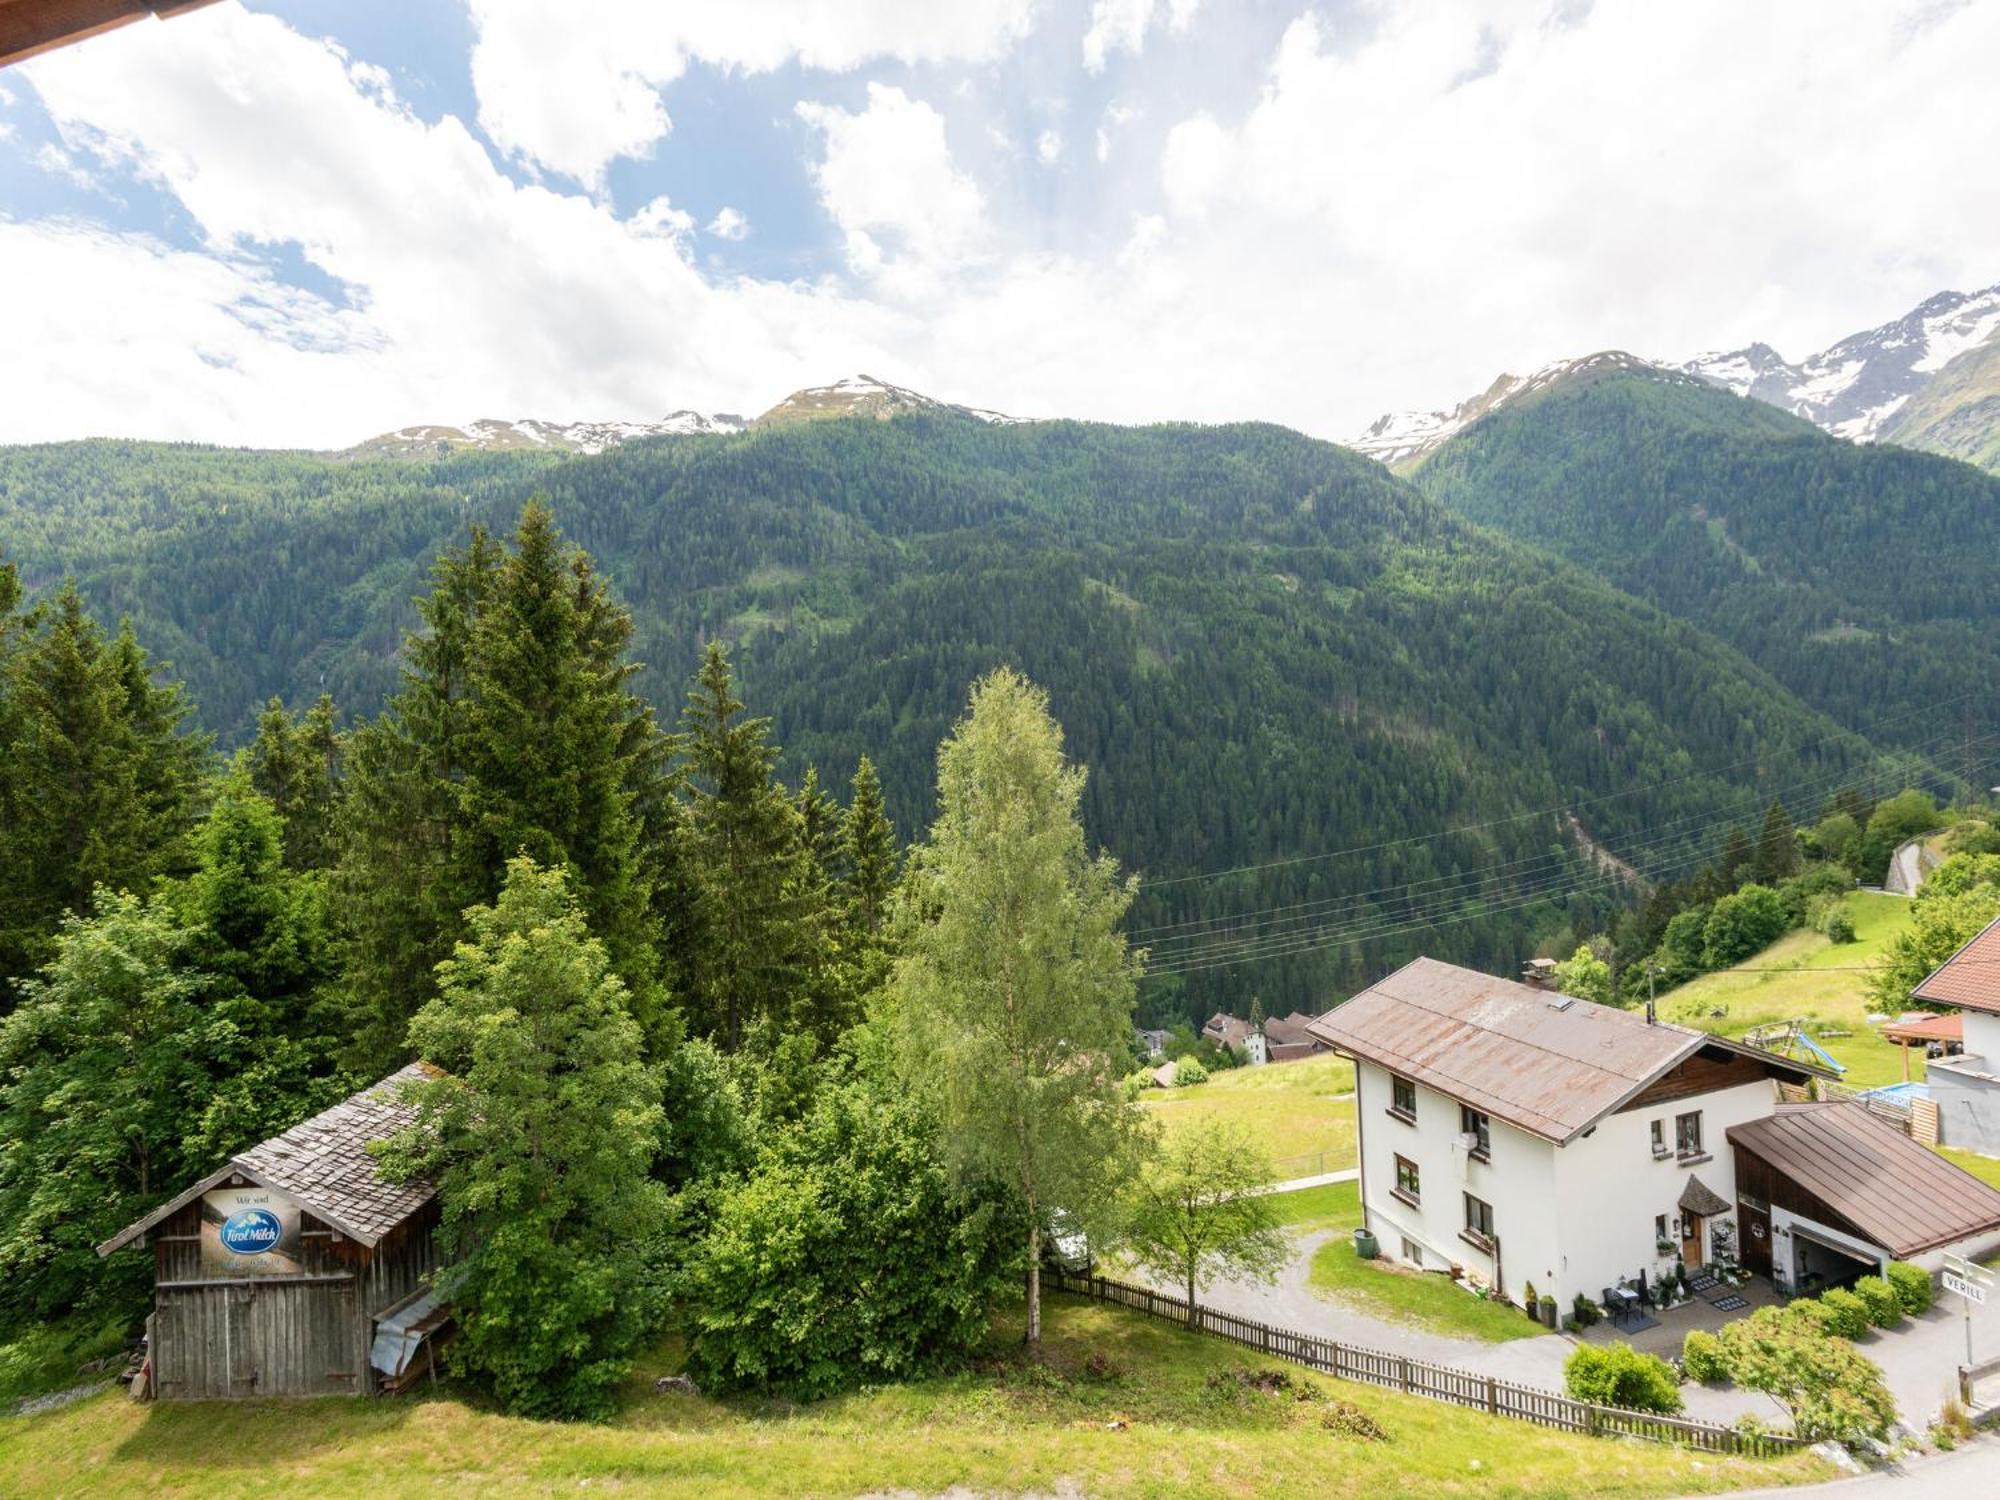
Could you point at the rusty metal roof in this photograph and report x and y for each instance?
(1547, 1063)
(1902, 1195)
(324, 1164)
(1970, 978)
(1926, 1026)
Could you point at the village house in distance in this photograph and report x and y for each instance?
(1966, 1088)
(295, 1269)
(1515, 1135)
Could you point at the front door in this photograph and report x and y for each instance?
(1691, 1241)
(1756, 1221)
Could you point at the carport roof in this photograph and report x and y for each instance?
(1902, 1195)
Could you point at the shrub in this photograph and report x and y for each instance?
(1844, 1314)
(1830, 1389)
(1619, 1375)
(1913, 1286)
(1884, 1303)
(1838, 926)
(1585, 1311)
(1188, 1072)
(1530, 1301)
(1738, 925)
(1701, 1357)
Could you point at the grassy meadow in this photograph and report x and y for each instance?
(1819, 985)
(1302, 1111)
(1118, 1405)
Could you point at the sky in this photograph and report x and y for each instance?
(303, 222)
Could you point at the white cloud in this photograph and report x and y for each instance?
(1049, 147)
(729, 224)
(577, 85)
(1121, 25)
(889, 181)
(1116, 117)
(1387, 222)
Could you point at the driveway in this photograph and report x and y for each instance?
(1966, 1474)
(1290, 1302)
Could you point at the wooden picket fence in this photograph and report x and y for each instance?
(1398, 1372)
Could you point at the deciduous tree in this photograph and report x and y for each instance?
(1197, 1212)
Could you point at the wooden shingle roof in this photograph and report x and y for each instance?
(324, 1164)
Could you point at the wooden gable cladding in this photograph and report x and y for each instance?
(1708, 1071)
(31, 26)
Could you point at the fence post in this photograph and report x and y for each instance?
(1404, 1363)
(1492, 1395)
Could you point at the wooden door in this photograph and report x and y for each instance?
(1755, 1220)
(1691, 1241)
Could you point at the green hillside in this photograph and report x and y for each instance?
(1866, 579)
(1264, 647)
(1956, 411)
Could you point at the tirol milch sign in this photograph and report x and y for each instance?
(249, 1231)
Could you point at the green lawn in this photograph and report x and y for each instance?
(1424, 1299)
(1332, 1205)
(1119, 1405)
(1985, 1168)
(1819, 987)
(1302, 1111)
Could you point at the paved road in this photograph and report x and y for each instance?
(1970, 1473)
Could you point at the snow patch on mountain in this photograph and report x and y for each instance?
(495, 435)
(865, 396)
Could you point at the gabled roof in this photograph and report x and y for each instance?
(1970, 978)
(1697, 1197)
(1294, 1030)
(1903, 1196)
(1546, 1063)
(324, 1164)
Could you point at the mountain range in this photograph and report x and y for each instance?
(855, 396)
(1929, 379)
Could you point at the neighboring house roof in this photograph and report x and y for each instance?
(1227, 1028)
(1902, 1195)
(1970, 978)
(1926, 1026)
(1291, 1031)
(324, 1164)
(1548, 1064)
(1165, 1074)
(1697, 1197)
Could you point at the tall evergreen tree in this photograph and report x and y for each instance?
(101, 778)
(1739, 859)
(295, 764)
(1013, 996)
(514, 731)
(1777, 845)
(759, 935)
(868, 856)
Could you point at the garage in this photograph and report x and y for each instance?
(1829, 1192)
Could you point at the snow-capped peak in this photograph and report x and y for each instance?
(492, 434)
(863, 396)
(1853, 388)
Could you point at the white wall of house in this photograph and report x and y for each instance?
(1569, 1219)
(1519, 1181)
(1982, 1035)
(1611, 1189)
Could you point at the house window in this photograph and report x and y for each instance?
(1687, 1134)
(1471, 1122)
(1402, 1097)
(1659, 1231)
(1659, 1137)
(1409, 1181)
(1413, 1252)
(1478, 1220)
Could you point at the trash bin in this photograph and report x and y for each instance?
(1364, 1244)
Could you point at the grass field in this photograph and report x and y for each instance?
(1819, 986)
(1120, 1405)
(1423, 1299)
(1333, 1205)
(1302, 1111)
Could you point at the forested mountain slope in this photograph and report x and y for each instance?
(1866, 578)
(1265, 647)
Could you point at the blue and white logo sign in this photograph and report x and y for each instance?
(252, 1232)
(249, 1230)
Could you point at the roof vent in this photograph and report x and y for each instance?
(1562, 1002)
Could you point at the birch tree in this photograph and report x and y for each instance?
(1012, 1000)
(1198, 1213)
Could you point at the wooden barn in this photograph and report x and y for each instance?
(281, 1273)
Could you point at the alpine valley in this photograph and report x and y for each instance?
(1268, 649)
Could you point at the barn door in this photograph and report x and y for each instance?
(242, 1344)
(1755, 1218)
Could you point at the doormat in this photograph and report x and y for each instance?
(1701, 1281)
(1731, 1303)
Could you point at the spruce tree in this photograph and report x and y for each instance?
(100, 781)
(295, 764)
(1777, 846)
(869, 859)
(1739, 859)
(759, 932)
(514, 731)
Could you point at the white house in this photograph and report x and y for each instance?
(1967, 1088)
(1528, 1137)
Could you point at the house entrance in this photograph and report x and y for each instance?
(1693, 1240)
